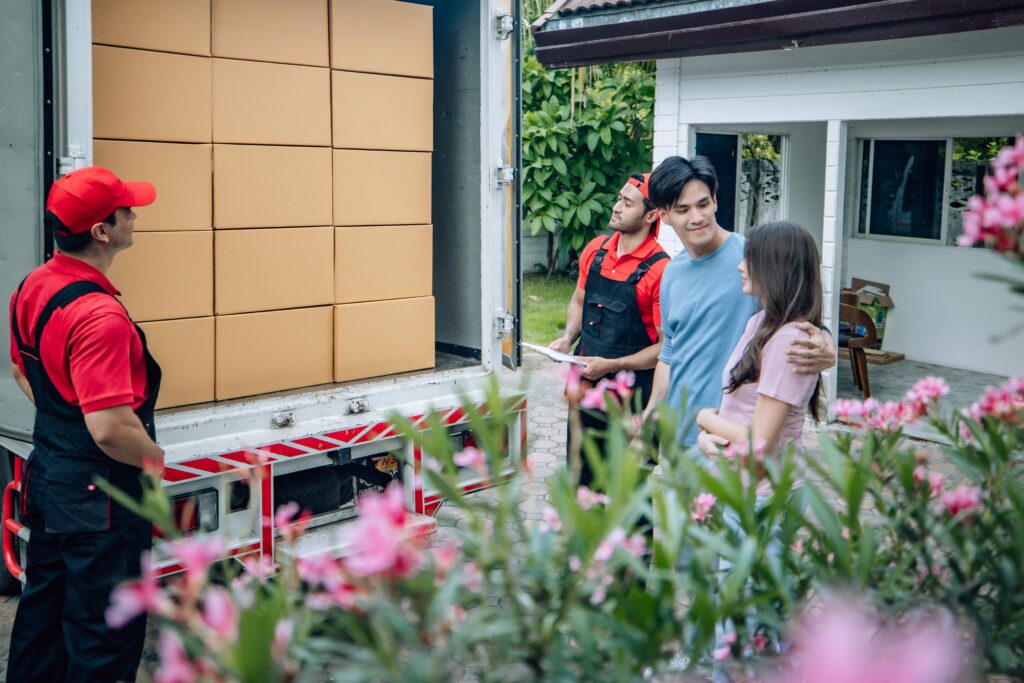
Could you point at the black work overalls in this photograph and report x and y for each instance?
(82, 544)
(613, 328)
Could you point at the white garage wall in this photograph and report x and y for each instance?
(944, 314)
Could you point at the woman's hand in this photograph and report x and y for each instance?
(710, 444)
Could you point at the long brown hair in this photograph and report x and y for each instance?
(783, 268)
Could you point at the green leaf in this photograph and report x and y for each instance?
(559, 165)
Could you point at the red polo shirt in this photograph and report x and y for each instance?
(615, 267)
(90, 349)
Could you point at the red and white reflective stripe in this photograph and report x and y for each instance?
(207, 466)
(253, 547)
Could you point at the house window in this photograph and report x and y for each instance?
(902, 189)
(917, 189)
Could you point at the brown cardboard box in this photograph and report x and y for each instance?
(292, 32)
(271, 104)
(184, 350)
(256, 186)
(383, 338)
(406, 249)
(263, 352)
(141, 95)
(381, 188)
(371, 111)
(382, 37)
(178, 26)
(264, 270)
(182, 176)
(166, 275)
(872, 298)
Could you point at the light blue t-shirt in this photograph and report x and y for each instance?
(703, 312)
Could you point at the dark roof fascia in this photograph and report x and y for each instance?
(782, 24)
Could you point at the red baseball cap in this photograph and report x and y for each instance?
(644, 187)
(87, 196)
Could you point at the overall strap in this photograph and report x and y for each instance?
(14, 319)
(648, 263)
(62, 298)
(600, 254)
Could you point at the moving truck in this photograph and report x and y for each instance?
(335, 238)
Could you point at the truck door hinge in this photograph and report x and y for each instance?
(504, 24)
(74, 159)
(504, 323)
(504, 175)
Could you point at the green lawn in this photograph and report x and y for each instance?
(544, 304)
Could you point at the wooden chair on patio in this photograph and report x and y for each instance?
(856, 332)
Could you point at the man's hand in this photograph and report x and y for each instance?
(562, 345)
(599, 367)
(119, 433)
(813, 354)
(703, 415)
(710, 444)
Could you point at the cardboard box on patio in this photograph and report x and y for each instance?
(178, 26)
(872, 298)
(384, 37)
(258, 186)
(375, 263)
(259, 353)
(166, 275)
(371, 111)
(271, 104)
(271, 269)
(142, 95)
(180, 172)
(184, 350)
(292, 32)
(381, 188)
(383, 338)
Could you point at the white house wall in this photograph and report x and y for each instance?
(962, 84)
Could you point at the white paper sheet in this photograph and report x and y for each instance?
(555, 355)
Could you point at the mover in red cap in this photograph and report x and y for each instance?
(615, 312)
(77, 355)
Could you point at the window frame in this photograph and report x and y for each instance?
(947, 175)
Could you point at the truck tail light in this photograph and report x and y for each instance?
(196, 511)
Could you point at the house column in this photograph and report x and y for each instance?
(671, 136)
(832, 241)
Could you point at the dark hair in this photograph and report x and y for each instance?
(71, 243)
(672, 174)
(648, 206)
(782, 265)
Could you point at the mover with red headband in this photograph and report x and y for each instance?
(615, 312)
(78, 356)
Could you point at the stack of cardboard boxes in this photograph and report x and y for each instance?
(290, 244)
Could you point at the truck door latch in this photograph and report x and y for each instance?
(504, 24)
(504, 175)
(504, 323)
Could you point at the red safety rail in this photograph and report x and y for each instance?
(12, 527)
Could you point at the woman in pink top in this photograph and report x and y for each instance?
(764, 401)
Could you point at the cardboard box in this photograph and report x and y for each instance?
(271, 104)
(262, 352)
(178, 26)
(292, 32)
(166, 275)
(182, 174)
(383, 338)
(381, 188)
(872, 298)
(266, 270)
(184, 350)
(407, 250)
(256, 186)
(371, 111)
(141, 95)
(382, 37)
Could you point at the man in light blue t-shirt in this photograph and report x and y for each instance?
(703, 308)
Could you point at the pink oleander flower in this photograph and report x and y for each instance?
(472, 577)
(635, 545)
(291, 522)
(219, 613)
(132, 598)
(382, 543)
(196, 554)
(574, 563)
(175, 666)
(594, 399)
(961, 499)
(260, 567)
(742, 449)
(472, 458)
(599, 595)
(607, 547)
(572, 375)
(625, 380)
(702, 505)
(551, 521)
(588, 499)
(283, 633)
(932, 479)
